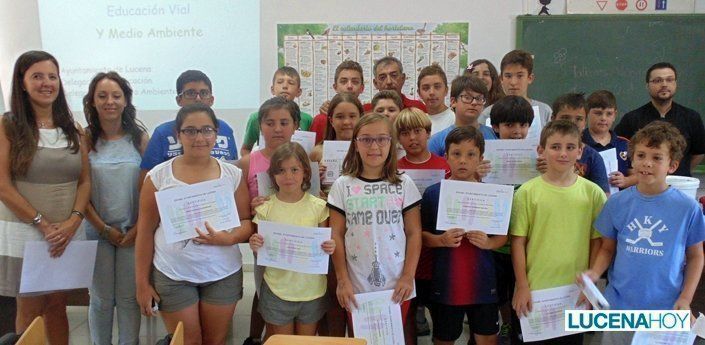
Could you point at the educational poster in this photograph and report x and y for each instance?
(630, 6)
(315, 50)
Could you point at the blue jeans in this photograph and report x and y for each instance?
(114, 287)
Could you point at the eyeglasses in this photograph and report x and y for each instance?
(192, 94)
(465, 98)
(381, 140)
(207, 132)
(669, 80)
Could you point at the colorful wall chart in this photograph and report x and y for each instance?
(315, 50)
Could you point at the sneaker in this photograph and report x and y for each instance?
(423, 329)
(504, 337)
(252, 341)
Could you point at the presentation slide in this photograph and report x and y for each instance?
(151, 43)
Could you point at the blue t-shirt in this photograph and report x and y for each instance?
(164, 146)
(621, 145)
(437, 143)
(461, 276)
(592, 167)
(652, 234)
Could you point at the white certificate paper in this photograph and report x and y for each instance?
(475, 206)
(293, 248)
(546, 321)
(513, 161)
(663, 338)
(334, 152)
(609, 157)
(182, 209)
(304, 138)
(424, 178)
(266, 188)
(534, 134)
(72, 270)
(377, 318)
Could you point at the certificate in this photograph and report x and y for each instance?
(266, 188)
(609, 157)
(546, 320)
(377, 318)
(513, 161)
(699, 326)
(534, 134)
(304, 138)
(424, 178)
(663, 338)
(182, 209)
(293, 248)
(72, 270)
(475, 206)
(334, 152)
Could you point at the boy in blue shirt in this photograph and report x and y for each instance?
(192, 87)
(601, 109)
(467, 99)
(652, 234)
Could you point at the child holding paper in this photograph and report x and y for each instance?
(197, 281)
(601, 109)
(292, 302)
(414, 129)
(344, 111)
(278, 119)
(463, 268)
(652, 234)
(375, 215)
(551, 225)
(511, 117)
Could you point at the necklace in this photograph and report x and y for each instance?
(42, 124)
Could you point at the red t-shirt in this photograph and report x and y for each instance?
(320, 122)
(407, 102)
(424, 270)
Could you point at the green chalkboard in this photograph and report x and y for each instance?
(585, 53)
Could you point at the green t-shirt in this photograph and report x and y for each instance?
(252, 129)
(558, 224)
(507, 247)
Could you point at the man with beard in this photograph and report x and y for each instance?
(661, 80)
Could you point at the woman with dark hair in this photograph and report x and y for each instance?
(44, 184)
(117, 141)
(486, 71)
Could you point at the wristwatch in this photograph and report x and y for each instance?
(78, 213)
(37, 219)
(105, 231)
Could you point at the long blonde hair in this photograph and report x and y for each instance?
(352, 165)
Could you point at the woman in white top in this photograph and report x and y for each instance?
(199, 280)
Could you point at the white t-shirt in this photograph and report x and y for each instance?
(375, 242)
(186, 260)
(442, 120)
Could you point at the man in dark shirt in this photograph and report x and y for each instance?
(661, 81)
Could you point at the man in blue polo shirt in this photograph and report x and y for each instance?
(192, 87)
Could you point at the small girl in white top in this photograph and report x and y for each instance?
(197, 281)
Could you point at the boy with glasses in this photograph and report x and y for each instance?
(192, 87)
(467, 98)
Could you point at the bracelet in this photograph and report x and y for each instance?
(37, 219)
(78, 213)
(104, 233)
